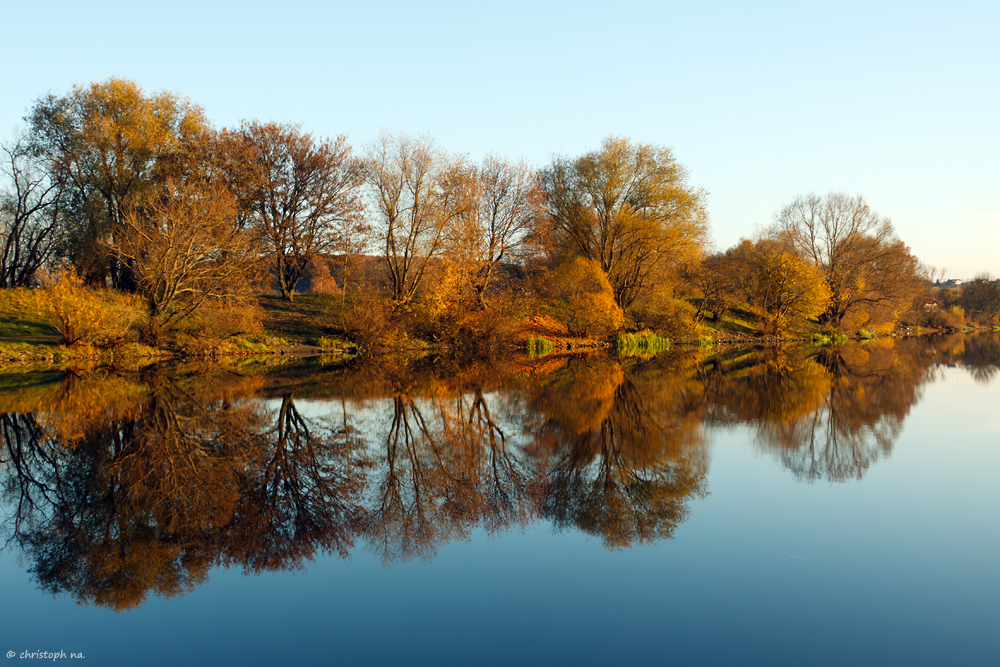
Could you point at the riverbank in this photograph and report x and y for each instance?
(314, 325)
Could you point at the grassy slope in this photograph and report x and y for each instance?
(309, 320)
(21, 319)
(306, 320)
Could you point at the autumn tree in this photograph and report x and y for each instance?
(301, 192)
(716, 280)
(981, 297)
(585, 298)
(494, 226)
(629, 208)
(415, 192)
(104, 143)
(855, 249)
(185, 249)
(781, 286)
(30, 213)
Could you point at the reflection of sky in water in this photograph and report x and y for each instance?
(957, 396)
(898, 568)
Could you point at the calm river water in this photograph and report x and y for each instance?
(773, 506)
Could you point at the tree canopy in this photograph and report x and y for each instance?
(862, 261)
(105, 142)
(301, 191)
(465, 247)
(628, 207)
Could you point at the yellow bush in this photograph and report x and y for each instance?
(220, 319)
(86, 316)
(445, 288)
(586, 302)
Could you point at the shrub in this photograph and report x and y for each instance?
(220, 320)
(368, 320)
(487, 330)
(85, 316)
(673, 316)
(946, 319)
(585, 301)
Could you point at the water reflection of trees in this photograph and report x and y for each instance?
(300, 496)
(122, 487)
(620, 455)
(443, 466)
(119, 486)
(977, 354)
(827, 413)
(148, 499)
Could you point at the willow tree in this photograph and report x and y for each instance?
(105, 143)
(629, 208)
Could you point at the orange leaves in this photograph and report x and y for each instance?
(628, 207)
(83, 315)
(586, 299)
(781, 286)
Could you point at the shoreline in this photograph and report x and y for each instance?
(28, 351)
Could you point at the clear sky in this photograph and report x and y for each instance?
(896, 101)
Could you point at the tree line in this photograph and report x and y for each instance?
(139, 193)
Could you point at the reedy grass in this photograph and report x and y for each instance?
(642, 343)
(539, 347)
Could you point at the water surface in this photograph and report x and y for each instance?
(795, 505)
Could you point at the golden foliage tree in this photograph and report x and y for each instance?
(585, 299)
(862, 262)
(105, 142)
(781, 286)
(629, 208)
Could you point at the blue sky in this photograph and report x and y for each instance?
(896, 101)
